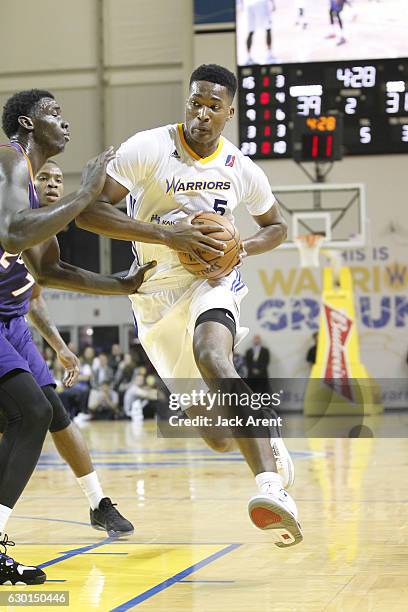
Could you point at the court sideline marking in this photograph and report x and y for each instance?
(135, 601)
(76, 551)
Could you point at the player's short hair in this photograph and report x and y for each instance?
(21, 103)
(216, 74)
(50, 161)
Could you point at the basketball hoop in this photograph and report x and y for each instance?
(309, 246)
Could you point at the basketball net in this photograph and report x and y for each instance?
(310, 247)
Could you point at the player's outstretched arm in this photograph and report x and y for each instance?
(22, 227)
(272, 232)
(103, 218)
(43, 261)
(42, 321)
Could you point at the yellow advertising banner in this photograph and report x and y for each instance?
(339, 382)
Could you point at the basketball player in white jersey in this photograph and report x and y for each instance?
(259, 17)
(189, 326)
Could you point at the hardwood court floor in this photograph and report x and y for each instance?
(194, 548)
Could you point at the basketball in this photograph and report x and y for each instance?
(220, 265)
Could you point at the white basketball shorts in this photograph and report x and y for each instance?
(166, 321)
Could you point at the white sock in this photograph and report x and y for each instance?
(4, 517)
(268, 482)
(91, 486)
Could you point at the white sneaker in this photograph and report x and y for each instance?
(276, 510)
(284, 463)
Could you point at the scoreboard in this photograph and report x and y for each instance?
(372, 97)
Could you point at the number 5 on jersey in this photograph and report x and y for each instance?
(220, 206)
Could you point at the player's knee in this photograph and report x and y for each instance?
(224, 445)
(208, 361)
(29, 409)
(59, 422)
(43, 414)
(60, 417)
(35, 416)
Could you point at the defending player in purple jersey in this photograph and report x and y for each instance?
(66, 436)
(32, 120)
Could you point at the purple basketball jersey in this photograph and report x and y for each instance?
(15, 281)
(17, 348)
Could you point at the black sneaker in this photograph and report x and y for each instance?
(14, 573)
(107, 518)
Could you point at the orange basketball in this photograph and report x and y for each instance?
(220, 265)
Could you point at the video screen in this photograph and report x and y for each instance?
(286, 31)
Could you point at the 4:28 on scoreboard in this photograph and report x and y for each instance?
(372, 96)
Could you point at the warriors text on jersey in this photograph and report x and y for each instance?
(167, 181)
(15, 281)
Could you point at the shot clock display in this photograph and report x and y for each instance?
(372, 97)
(301, 61)
(318, 138)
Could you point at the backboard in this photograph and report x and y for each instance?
(337, 211)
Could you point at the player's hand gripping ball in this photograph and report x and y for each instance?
(219, 265)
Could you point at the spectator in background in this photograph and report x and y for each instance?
(311, 353)
(257, 360)
(88, 357)
(104, 403)
(240, 365)
(123, 376)
(101, 372)
(115, 357)
(95, 372)
(140, 392)
(85, 372)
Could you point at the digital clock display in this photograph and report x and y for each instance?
(309, 59)
(322, 124)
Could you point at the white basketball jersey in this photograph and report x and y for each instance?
(167, 181)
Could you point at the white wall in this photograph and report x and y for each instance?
(147, 57)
